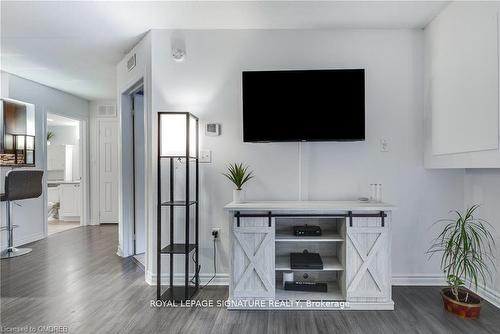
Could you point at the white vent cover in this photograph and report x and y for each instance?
(106, 111)
(131, 63)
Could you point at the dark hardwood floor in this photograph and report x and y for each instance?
(75, 279)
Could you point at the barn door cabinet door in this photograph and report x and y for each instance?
(368, 267)
(253, 258)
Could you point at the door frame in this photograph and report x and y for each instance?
(126, 167)
(133, 94)
(84, 169)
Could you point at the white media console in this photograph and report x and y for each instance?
(355, 248)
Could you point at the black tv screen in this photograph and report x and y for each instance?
(306, 105)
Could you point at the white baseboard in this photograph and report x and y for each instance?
(27, 239)
(487, 293)
(419, 279)
(220, 279)
(490, 295)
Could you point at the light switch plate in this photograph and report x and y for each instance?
(205, 156)
(384, 145)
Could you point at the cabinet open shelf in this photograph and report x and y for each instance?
(178, 249)
(288, 236)
(330, 263)
(333, 293)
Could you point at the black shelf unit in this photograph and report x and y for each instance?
(21, 149)
(187, 290)
(178, 203)
(178, 249)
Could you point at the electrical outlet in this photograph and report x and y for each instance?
(215, 232)
(206, 156)
(384, 145)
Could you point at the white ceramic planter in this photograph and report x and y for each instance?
(237, 196)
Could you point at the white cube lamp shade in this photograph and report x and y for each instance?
(20, 142)
(174, 133)
(30, 120)
(30, 143)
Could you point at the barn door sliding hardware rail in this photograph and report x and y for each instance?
(382, 215)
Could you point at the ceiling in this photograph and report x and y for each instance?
(75, 46)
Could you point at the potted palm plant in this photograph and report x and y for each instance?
(50, 135)
(239, 175)
(467, 246)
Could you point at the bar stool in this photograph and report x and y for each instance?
(19, 184)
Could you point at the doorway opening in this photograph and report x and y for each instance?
(133, 155)
(65, 158)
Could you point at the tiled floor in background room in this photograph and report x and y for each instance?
(56, 226)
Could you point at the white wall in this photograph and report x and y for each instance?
(4, 84)
(30, 217)
(482, 186)
(64, 134)
(208, 84)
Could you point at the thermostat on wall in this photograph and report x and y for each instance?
(212, 129)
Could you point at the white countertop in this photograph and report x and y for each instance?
(309, 206)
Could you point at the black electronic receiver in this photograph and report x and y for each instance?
(306, 230)
(305, 260)
(306, 286)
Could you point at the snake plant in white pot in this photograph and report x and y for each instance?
(238, 174)
(467, 246)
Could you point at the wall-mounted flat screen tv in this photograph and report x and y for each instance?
(304, 105)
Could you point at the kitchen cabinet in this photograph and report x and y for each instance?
(461, 96)
(70, 195)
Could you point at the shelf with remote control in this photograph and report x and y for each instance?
(335, 253)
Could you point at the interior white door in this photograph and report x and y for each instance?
(108, 171)
(139, 176)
